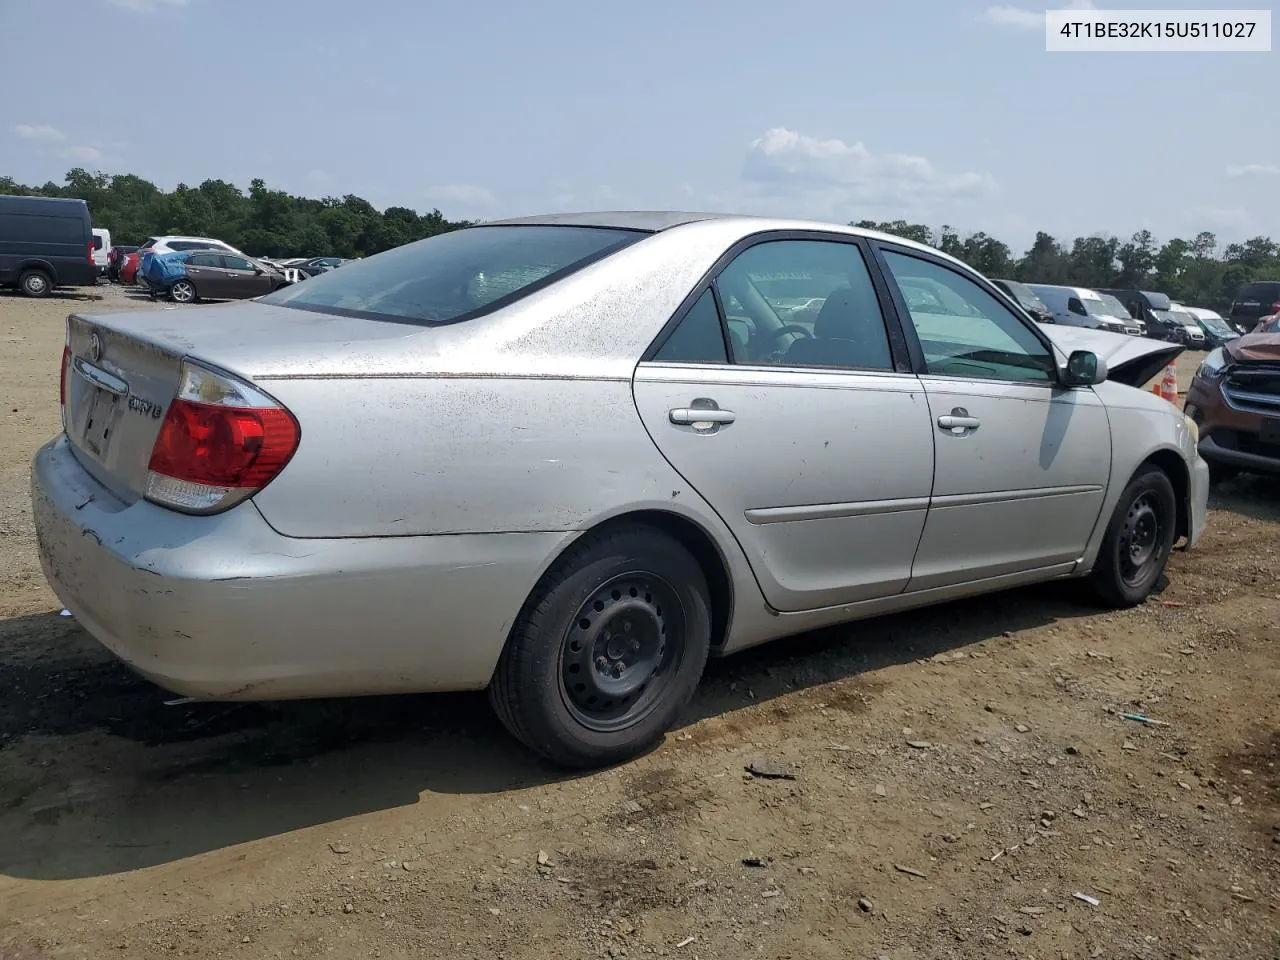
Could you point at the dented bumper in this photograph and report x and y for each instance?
(223, 607)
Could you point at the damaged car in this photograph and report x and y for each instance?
(1235, 401)
(566, 459)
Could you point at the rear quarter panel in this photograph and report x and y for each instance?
(432, 455)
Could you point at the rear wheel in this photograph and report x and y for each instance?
(35, 283)
(608, 649)
(184, 291)
(1138, 540)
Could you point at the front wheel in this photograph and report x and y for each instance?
(607, 650)
(1138, 540)
(184, 291)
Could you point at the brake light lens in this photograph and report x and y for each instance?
(222, 440)
(62, 377)
(90, 251)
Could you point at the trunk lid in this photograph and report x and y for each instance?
(1130, 360)
(124, 369)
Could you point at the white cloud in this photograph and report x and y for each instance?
(146, 6)
(1253, 169)
(318, 176)
(463, 194)
(43, 133)
(1020, 18)
(785, 162)
(81, 154)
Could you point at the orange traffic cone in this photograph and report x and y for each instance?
(1169, 385)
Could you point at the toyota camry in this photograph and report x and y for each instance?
(567, 458)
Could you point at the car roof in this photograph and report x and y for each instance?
(657, 221)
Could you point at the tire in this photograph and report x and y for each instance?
(183, 291)
(35, 283)
(1222, 472)
(1138, 540)
(563, 686)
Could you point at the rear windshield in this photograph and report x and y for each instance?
(456, 275)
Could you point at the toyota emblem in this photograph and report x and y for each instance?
(95, 348)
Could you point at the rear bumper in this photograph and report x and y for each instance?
(224, 607)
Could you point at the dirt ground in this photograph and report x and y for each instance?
(961, 775)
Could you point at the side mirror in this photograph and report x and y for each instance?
(1084, 369)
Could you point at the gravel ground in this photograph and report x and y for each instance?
(961, 775)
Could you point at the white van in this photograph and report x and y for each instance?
(101, 247)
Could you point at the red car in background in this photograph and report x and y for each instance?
(129, 266)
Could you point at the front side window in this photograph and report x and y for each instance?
(987, 341)
(452, 276)
(238, 263)
(804, 303)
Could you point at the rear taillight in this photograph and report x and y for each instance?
(62, 375)
(222, 440)
(91, 251)
(1275, 307)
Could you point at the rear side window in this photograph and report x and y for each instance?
(204, 260)
(19, 227)
(698, 338)
(456, 275)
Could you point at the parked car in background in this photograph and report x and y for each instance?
(316, 265)
(1196, 339)
(1234, 398)
(210, 275)
(171, 244)
(101, 247)
(1153, 309)
(45, 242)
(115, 260)
(1081, 307)
(1217, 332)
(1026, 298)
(1254, 301)
(622, 498)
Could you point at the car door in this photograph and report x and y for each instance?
(811, 440)
(244, 279)
(1022, 464)
(205, 271)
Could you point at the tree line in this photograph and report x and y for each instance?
(1194, 272)
(274, 223)
(262, 222)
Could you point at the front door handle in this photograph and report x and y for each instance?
(688, 415)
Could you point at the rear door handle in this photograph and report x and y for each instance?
(959, 422)
(688, 415)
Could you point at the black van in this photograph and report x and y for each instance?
(1253, 302)
(45, 242)
(1155, 310)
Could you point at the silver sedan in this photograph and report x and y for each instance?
(567, 458)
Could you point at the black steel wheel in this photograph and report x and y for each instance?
(1138, 541)
(607, 650)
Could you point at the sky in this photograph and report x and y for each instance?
(933, 111)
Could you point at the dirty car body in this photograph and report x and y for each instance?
(567, 458)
